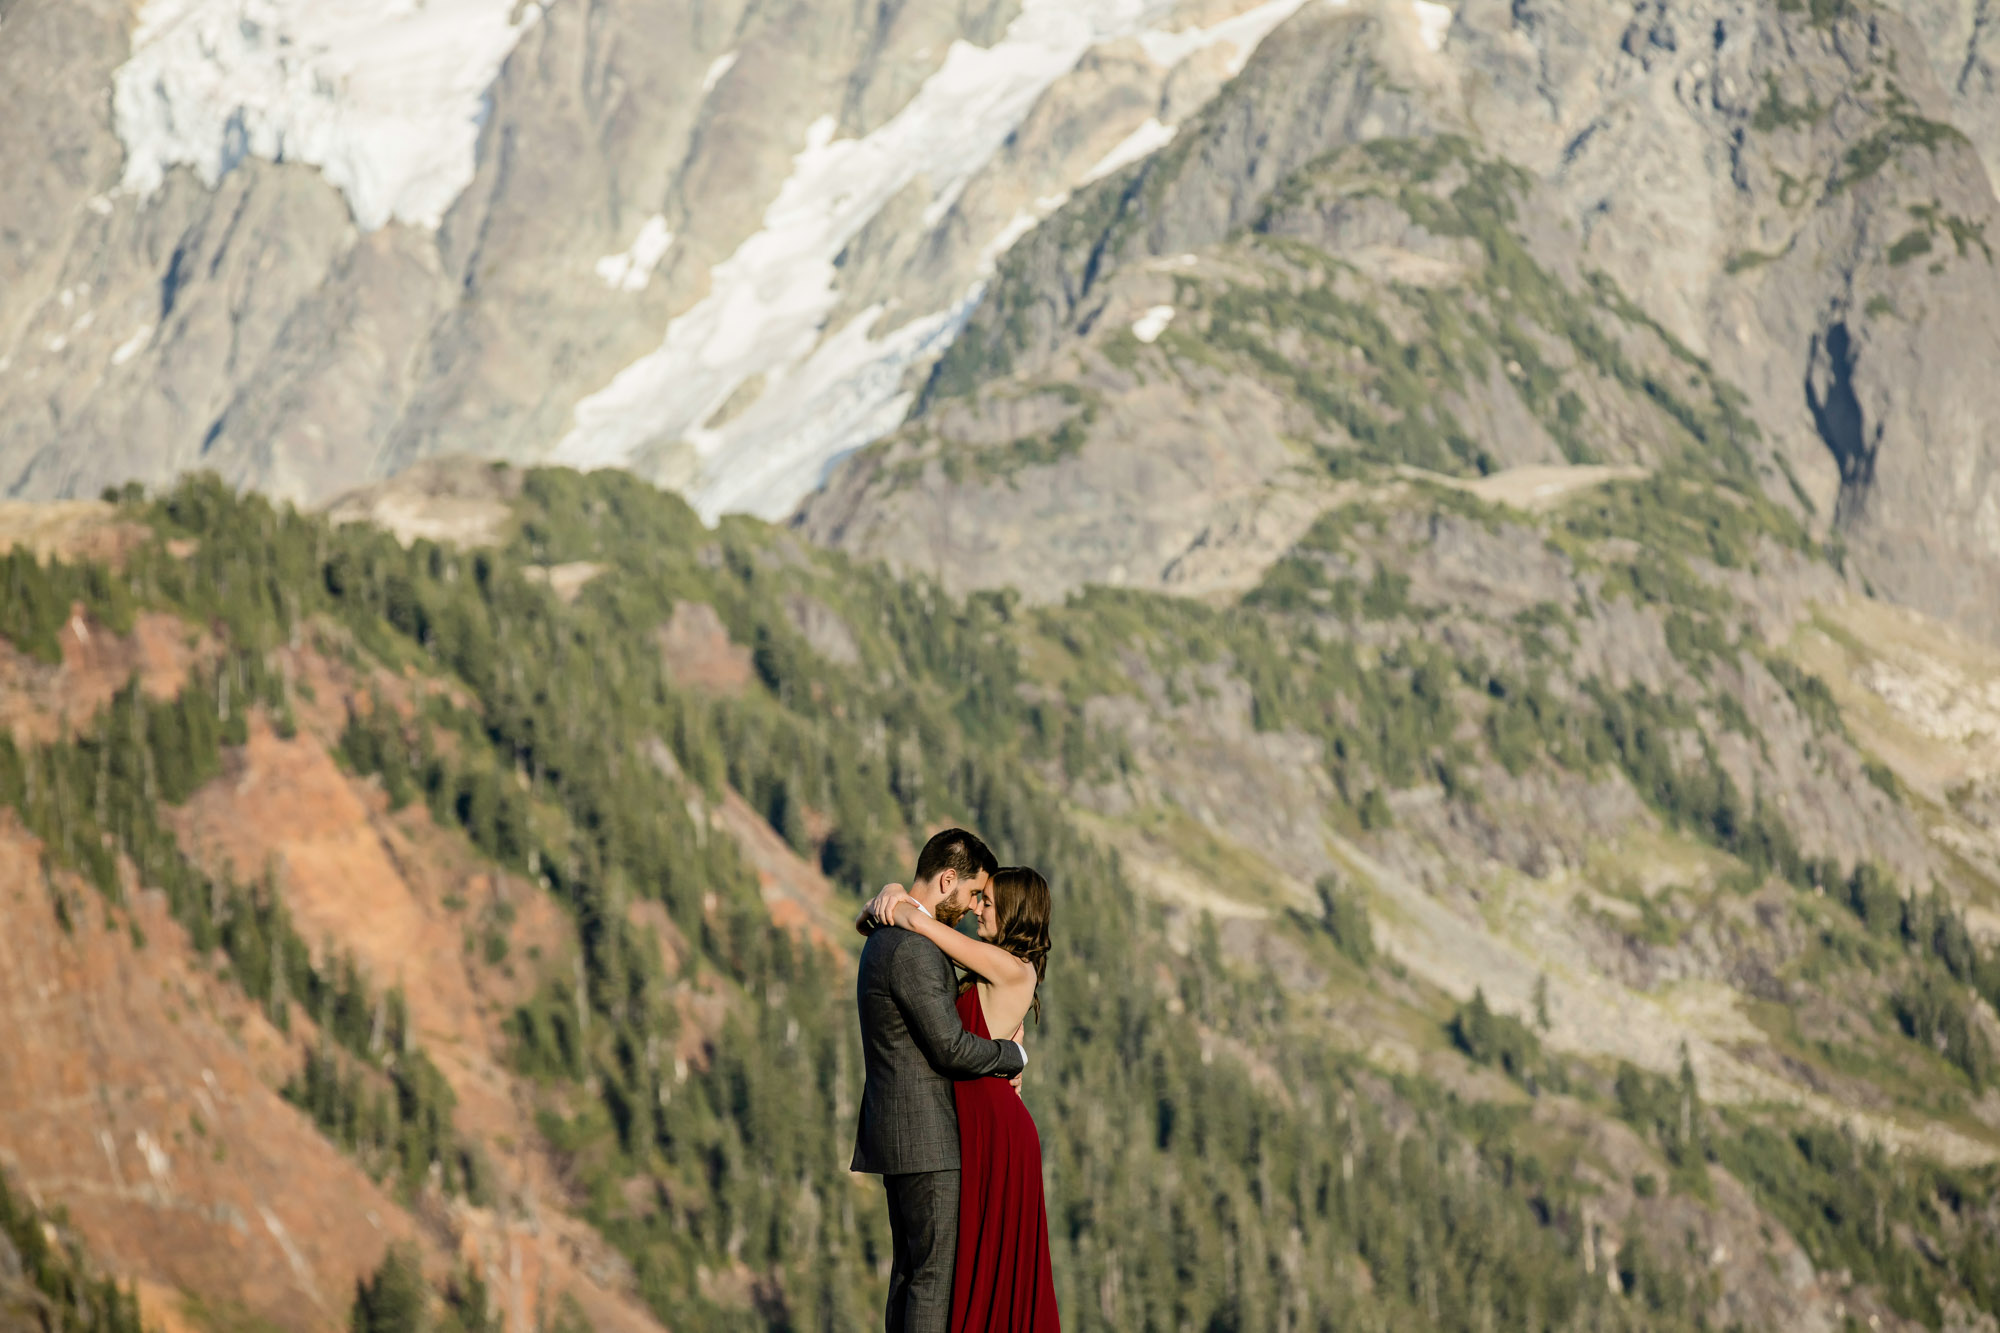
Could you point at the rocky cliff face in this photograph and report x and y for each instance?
(1770, 208)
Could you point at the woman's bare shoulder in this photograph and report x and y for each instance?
(1021, 973)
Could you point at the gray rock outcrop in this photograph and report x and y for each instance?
(1789, 201)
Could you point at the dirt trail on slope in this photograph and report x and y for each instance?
(1532, 488)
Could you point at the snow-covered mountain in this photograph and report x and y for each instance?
(722, 243)
(769, 316)
(306, 244)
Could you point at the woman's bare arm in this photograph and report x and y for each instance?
(880, 910)
(1010, 983)
(989, 961)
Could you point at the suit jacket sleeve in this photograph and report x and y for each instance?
(920, 982)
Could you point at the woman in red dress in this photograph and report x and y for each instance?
(1003, 1282)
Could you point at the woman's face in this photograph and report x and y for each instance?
(982, 907)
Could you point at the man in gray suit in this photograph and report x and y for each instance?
(914, 1047)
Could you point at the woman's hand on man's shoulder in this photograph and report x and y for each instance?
(881, 909)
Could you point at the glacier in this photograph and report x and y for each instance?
(384, 97)
(765, 316)
(1143, 142)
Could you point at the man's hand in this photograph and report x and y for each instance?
(1020, 1033)
(881, 909)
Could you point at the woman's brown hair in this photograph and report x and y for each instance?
(1021, 909)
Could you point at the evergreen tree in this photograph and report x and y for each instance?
(394, 1298)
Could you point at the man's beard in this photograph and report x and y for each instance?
(950, 912)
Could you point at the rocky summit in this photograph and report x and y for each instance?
(1460, 536)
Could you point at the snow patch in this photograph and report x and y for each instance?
(829, 391)
(718, 69)
(1244, 33)
(1433, 22)
(385, 97)
(631, 271)
(847, 393)
(1143, 142)
(132, 346)
(1149, 326)
(820, 133)
(1017, 226)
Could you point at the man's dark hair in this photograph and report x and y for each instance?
(955, 849)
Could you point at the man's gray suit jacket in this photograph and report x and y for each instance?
(914, 1048)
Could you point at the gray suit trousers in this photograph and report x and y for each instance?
(923, 1223)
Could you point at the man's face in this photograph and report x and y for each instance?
(958, 895)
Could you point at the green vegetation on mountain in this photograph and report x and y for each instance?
(46, 1281)
(748, 1156)
(396, 1298)
(1669, 1112)
(1385, 365)
(97, 801)
(1896, 1224)
(1901, 129)
(1490, 1038)
(35, 600)
(568, 752)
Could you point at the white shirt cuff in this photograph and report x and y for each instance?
(1024, 1053)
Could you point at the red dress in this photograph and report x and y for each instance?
(1003, 1283)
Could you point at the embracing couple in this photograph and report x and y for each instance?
(942, 1120)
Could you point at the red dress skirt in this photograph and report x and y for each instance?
(1003, 1283)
